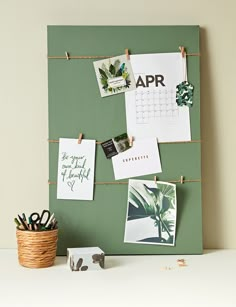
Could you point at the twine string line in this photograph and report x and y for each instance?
(178, 142)
(185, 71)
(97, 56)
(126, 182)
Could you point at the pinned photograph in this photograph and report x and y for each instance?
(115, 145)
(114, 75)
(151, 213)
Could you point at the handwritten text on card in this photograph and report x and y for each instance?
(76, 169)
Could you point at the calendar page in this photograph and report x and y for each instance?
(151, 109)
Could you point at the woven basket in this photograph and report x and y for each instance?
(37, 249)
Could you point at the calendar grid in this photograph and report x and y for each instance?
(154, 104)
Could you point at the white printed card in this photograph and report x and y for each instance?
(142, 159)
(76, 162)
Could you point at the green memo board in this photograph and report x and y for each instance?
(75, 106)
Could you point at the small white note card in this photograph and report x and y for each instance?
(76, 163)
(142, 159)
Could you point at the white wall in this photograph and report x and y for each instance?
(23, 98)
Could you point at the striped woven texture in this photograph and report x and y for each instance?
(37, 249)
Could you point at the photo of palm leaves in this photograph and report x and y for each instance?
(151, 212)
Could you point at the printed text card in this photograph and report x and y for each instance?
(142, 159)
(75, 179)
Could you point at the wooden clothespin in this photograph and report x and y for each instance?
(67, 55)
(80, 138)
(155, 179)
(131, 139)
(182, 50)
(181, 262)
(127, 54)
(181, 179)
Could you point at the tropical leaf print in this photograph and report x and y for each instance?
(184, 94)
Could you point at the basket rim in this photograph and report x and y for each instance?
(36, 231)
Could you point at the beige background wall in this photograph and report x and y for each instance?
(23, 98)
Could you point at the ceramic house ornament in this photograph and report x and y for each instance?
(85, 258)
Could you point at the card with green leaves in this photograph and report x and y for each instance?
(114, 75)
(151, 212)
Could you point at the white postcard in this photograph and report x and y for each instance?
(76, 163)
(141, 159)
(151, 109)
(151, 213)
(114, 75)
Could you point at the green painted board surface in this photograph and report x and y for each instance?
(75, 106)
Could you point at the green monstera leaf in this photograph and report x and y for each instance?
(154, 201)
(164, 197)
(168, 192)
(142, 201)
